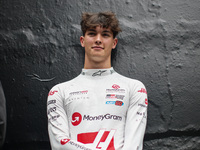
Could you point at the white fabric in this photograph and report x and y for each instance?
(99, 109)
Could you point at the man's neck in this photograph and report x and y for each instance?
(97, 64)
(96, 67)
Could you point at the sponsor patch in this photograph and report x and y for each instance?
(118, 103)
(144, 105)
(64, 141)
(143, 91)
(98, 73)
(115, 90)
(113, 96)
(77, 118)
(102, 117)
(54, 118)
(102, 140)
(78, 146)
(115, 86)
(146, 101)
(142, 114)
(79, 92)
(51, 102)
(51, 110)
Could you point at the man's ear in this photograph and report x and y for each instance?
(82, 41)
(115, 41)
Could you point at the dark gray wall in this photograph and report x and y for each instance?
(159, 45)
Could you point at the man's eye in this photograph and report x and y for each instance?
(106, 35)
(91, 33)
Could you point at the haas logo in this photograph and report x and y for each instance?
(76, 119)
(103, 140)
(115, 86)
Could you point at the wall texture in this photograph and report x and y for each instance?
(159, 45)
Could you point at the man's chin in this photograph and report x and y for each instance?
(98, 55)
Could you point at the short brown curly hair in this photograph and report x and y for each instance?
(103, 19)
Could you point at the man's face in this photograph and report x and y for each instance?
(98, 43)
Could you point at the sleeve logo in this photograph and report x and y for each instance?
(64, 141)
(52, 93)
(143, 91)
(146, 101)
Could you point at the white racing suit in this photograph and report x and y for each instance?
(98, 110)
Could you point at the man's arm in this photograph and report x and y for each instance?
(2, 116)
(58, 124)
(136, 119)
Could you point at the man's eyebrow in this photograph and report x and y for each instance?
(92, 30)
(104, 31)
(107, 31)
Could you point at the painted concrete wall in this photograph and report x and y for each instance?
(159, 45)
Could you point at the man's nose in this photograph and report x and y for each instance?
(98, 39)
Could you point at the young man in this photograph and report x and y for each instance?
(99, 109)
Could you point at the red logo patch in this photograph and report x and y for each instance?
(76, 119)
(115, 86)
(142, 91)
(52, 93)
(64, 141)
(146, 101)
(100, 140)
(119, 103)
(84, 92)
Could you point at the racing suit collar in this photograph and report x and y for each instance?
(97, 72)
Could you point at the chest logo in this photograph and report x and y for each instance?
(76, 119)
(117, 103)
(115, 86)
(98, 73)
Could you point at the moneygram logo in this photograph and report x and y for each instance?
(102, 117)
(76, 119)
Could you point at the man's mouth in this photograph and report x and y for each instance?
(98, 47)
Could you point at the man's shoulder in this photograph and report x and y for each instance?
(65, 84)
(132, 84)
(128, 79)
